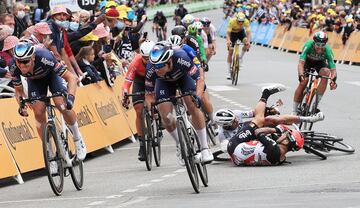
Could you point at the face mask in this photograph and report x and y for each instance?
(74, 26)
(64, 24)
(120, 25)
(20, 14)
(12, 30)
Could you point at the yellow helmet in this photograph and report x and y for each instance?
(240, 17)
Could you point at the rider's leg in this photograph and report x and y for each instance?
(40, 116)
(323, 83)
(138, 109)
(291, 119)
(298, 95)
(207, 106)
(164, 32)
(229, 59)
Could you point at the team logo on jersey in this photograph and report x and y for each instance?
(244, 134)
(183, 62)
(193, 70)
(47, 62)
(247, 150)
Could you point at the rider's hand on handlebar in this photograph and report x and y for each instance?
(23, 112)
(333, 85)
(301, 77)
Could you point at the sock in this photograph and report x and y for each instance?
(75, 131)
(175, 136)
(319, 98)
(295, 107)
(202, 137)
(265, 95)
(306, 118)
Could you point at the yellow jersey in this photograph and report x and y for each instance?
(235, 27)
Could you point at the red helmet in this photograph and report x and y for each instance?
(296, 140)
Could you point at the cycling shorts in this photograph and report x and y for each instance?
(166, 89)
(237, 36)
(317, 65)
(38, 88)
(138, 86)
(245, 134)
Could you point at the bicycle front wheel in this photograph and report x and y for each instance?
(148, 138)
(76, 170)
(339, 146)
(200, 166)
(52, 158)
(157, 143)
(188, 154)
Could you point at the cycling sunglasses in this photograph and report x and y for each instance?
(24, 61)
(320, 44)
(159, 66)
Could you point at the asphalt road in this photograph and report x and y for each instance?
(120, 180)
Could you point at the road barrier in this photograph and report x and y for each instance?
(279, 37)
(101, 118)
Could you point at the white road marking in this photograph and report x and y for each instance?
(129, 190)
(168, 175)
(144, 185)
(52, 199)
(243, 107)
(136, 200)
(357, 83)
(114, 196)
(96, 203)
(219, 88)
(180, 170)
(157, 180)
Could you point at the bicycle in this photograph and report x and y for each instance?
(210, 130)
(152, 132)
(309, 103)
(189, 143)
(235, 62)
(56, 149)
(317, 143)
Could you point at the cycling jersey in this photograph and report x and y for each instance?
(309, 54)
(160, 20)
(225, 134)
(201, 47)
(45, 62)
(211, 34)
(183, 76)
(136, 67)
(234, 26)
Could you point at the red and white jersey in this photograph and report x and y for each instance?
(250, 153)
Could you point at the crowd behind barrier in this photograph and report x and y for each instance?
(102, 121)
(279, 37)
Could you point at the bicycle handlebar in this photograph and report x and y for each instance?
(317, 75)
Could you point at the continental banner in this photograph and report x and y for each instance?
(109, 112)
(7, 164)
(89, 122)
(21, 136)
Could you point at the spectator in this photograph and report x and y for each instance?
(8, 19)
(19, 14)
(84, 18)
(84, 58)
(5, 31)
(27, 19)
(38, 15)
(7, 52)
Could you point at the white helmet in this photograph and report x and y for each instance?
(175, 40)
(224, 117)
(198, 25)
(146, 47)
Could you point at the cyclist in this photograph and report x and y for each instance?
(210, 31)
(316, 54)
(43, 71)
(160, 22)
(179, 13)
(176, 42)
(238, 29)
(187, 20)
(168, 70)
(136, 75)
(251, 145)
(193, 31)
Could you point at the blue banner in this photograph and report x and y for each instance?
(223, 28)
(253, 29)
(262, 33)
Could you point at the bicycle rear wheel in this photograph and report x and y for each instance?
(76, 170)
(52, 158)
(147, 138)
(157, 143)
(188, 154)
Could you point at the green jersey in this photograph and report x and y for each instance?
(201, 47)
(309, 53)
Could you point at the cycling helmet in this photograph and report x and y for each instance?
(23, 51)
(320, 37)
(206, 21)
(175, 40)
(179, 30)
(240, 17)
(160, 54)
(224, 117)
(187, 20)
(198, 25)
(192, 29)
(146, 47)
(296, 140)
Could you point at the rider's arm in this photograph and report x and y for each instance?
(304, 53)
(200, 82)
(19, 92)
(331, 63)
(201, 47)
(265, 130)
(71, 79)
(301, 68)
(129, 77)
